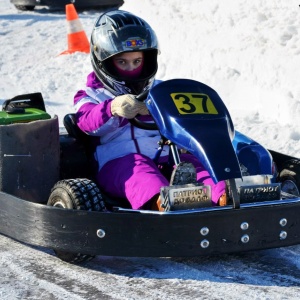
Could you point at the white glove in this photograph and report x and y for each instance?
(128, 107)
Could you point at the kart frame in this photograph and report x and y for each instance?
(144, 233)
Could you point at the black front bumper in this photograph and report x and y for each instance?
(146, 233)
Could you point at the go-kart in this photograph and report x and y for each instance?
(40, 165)
(25, 5)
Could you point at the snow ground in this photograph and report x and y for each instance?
(249, 52)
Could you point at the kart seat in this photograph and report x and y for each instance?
(73, 130)
(86, 159)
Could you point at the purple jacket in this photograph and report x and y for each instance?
(117, 137)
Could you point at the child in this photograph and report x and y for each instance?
(124, 52)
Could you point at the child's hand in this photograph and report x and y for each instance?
(128, 107)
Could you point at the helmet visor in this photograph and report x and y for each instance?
(129, 38)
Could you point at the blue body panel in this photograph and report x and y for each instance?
(193, 116)
(252, 155)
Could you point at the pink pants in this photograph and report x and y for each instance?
(138, 179)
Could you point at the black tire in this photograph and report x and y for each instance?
(289, 177)
(25, 7)
(80, 194)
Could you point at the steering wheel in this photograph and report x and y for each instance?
(138, 123)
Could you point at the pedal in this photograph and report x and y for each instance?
(184, 173)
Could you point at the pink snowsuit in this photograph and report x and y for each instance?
(125, 153)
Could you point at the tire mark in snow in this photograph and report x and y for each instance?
(269, 271)
(35, 273)
(40, 275)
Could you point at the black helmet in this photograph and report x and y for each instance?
(119, 31)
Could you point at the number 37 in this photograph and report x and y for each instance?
(193, 103)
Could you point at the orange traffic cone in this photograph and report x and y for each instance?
(77, 39)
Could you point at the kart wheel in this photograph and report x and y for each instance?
(24, 7)
(80, 194)
(290, 177)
